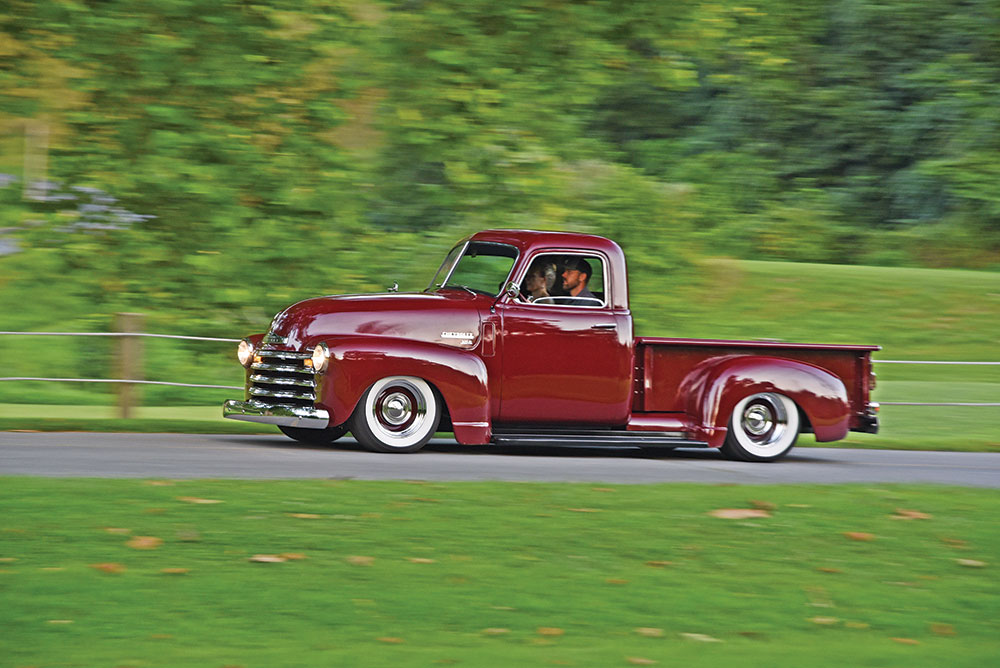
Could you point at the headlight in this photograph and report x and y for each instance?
(320, 358)
(244, 352)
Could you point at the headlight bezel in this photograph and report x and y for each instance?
(245, 352)
(320, 358)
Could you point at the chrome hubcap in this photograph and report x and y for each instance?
(758, 420)
(396, 409)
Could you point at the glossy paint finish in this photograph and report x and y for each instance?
(496, 360)
(712, 389)
(571, 365)
(356, 362)
(671, 367)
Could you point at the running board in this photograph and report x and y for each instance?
(645, 439)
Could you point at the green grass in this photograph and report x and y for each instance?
(913, 313)
(447, 562)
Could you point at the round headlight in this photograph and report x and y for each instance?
(244, 352)
(320, 358)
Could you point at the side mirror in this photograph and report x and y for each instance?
(510, 289)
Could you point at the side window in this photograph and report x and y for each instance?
(565, 279)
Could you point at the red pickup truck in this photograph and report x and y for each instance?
(526, 337)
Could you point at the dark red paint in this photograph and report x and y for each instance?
(530, 364)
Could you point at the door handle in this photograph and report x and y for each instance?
(605, 326)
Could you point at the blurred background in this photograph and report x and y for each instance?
(803, 169)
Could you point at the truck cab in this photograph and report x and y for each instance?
(526, 336)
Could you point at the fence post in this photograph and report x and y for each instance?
(129, 360)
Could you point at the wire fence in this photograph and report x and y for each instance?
(133, 381)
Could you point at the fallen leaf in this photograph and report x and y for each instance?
(640, 661)
(956, 543)
(603, 489)
(195, 499)
(305, 516)
(857, 625)
(971, 563)
(118, 531)
(550, 631)
(361, 561)
(942, 629)
(659, 564)
(763, 505)
(649, 632)
(175, 571)
(859, 535)
(145, 543)
(391, 640)
(739, 513)
(109, 568)
(59, 621)
(825, 569)
(421, 560)
(906, 641)
(7, 560)
(798, 505)
(267, 559)
(616, 581)
(160, 483)
(293, 556)
(699, 637)
(824, 621)
(903, 514)
(495, 631)
(584, 510)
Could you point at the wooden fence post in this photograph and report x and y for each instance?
(129, 361)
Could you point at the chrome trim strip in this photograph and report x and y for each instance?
(285, 416)
(284, 354)
(278, 380)
(263, 366)
(278, 394)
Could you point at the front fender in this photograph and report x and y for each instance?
(713, 390)
(460, 376)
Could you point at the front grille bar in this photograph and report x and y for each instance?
(282, 377)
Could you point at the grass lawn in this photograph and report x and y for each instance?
(161, 573)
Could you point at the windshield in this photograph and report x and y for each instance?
(477, 266)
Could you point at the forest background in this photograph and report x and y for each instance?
(207, 163)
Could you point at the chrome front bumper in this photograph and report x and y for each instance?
(285, 416)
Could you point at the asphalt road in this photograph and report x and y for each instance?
(273, 457)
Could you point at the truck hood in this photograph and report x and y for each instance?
(449, 318)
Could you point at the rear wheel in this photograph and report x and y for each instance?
(396, 414)
(315, 436)
(762, 428)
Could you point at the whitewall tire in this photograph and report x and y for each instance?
(762, 428)
(396, 414)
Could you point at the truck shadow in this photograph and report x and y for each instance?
(441, 446)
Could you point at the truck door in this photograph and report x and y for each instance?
(566, 358)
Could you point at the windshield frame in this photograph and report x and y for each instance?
(434, 287)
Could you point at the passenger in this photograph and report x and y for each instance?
(575, 276)
(540, 279)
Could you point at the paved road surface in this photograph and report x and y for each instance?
(228, 456)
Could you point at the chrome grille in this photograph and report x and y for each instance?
(282, 377)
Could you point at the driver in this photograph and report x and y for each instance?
(575, 276)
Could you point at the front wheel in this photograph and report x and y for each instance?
(762, 428)
(315, 436)
(396, 414)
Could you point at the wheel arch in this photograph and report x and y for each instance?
(458, 377)
(713, 390)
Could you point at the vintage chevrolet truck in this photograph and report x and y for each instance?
(526, 337)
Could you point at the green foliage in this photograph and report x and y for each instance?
(270, 152)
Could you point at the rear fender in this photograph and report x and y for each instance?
(714, 389)
(459, 376)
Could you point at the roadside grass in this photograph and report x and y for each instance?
(917, 314)
(159, 573)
